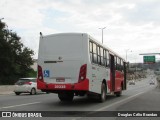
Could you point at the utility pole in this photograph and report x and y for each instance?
(126, 53)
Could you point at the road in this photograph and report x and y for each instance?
(135, 98)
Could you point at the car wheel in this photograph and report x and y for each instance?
(17, 93)
(33, 91)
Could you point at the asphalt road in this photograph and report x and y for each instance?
(138, 97)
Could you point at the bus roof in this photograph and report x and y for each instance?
(102, 45)
(65, 34)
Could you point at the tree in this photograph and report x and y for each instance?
(15, 58)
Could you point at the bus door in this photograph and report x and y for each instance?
(112, 69)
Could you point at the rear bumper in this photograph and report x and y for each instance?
(81, 86)
(23, 89)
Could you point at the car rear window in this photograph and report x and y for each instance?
(33, 80)
(22, 81)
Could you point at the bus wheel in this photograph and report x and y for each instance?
(102, 96)
(66, 96)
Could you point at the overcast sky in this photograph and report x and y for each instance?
(131, 25)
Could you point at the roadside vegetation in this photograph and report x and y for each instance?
(15, 58)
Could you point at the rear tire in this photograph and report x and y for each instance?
(17, 93)
(68, 97)
(102, 96)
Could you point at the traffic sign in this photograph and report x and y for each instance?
(149, 59)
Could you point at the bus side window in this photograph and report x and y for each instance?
(118, 64)
(122, 65)
(91, 51)
(102, 61)
(98, 55)
(94, 53)
(104, 58)
(108, 59)
(115, 59)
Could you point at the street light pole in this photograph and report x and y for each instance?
(126, 53)
(102, 33)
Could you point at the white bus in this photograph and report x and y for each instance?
(72, 64)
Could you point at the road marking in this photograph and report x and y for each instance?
(19, 105)
(119, 102)
(100, 109)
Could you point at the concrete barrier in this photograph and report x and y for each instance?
(158, 81)
(6, 89)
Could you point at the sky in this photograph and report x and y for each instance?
(132, 26)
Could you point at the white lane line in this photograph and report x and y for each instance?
(103, 108)
(19, 105)
(100, 109)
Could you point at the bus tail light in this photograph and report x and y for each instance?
(40, 73)
(82, 73)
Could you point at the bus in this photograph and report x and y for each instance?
(75, 64)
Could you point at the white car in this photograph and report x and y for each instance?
(152, 82)
(26, 85)
(132, 82)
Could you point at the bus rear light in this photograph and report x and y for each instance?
(40, 73)
(82, 73)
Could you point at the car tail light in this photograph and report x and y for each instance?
(40, 73)
(82, 73)
(28, 83)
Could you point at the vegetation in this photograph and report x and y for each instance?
(15, 58)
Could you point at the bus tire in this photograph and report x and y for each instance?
(66, 97)
(102, 96)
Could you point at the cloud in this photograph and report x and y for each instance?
(129, 24)
(21, 14)
(143, 13)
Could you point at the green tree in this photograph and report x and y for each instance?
(15, 58)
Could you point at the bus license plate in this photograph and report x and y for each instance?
(60, 80)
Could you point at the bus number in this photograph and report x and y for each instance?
(59, 86)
